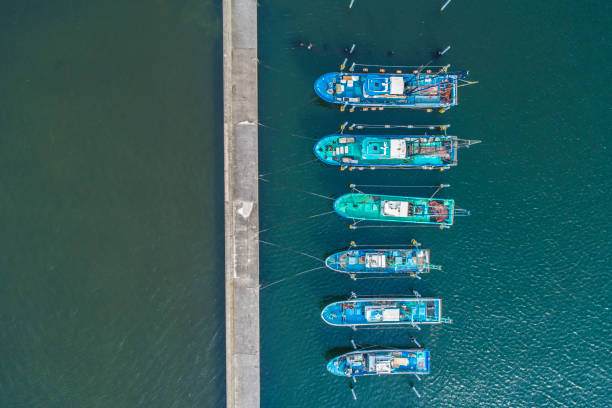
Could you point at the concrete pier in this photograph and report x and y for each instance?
(240, 132)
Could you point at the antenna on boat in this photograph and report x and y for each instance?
(442, 9)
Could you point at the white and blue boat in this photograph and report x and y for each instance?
(414, 90)
(381, 362)
(382, 262)
(384, 312)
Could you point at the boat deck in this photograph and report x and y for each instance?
(390, 90)
(383, 311)
(361, 206)
(380, 261)
(388, 151)
(380, 362)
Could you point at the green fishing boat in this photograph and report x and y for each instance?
(387, 208)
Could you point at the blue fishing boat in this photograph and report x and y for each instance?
(381, 261)
(414, 90)
(377, 362)
(384, 312)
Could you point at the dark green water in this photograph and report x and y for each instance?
(526, 278)
(112, 203)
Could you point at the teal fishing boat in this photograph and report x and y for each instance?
(384, 312)
(381, 362)
(382, 262)
(376, 151)
(373, 207)
(414, 90)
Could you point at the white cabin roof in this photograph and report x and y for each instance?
(397, 85)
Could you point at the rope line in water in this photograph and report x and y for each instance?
(298, 189)
(294, 221)
(287, 133)
(291, 277)
(288, 168)
(396, 226)
(389, 277)
(291, 250)
(384, 185)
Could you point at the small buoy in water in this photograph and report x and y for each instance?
(429, 110)
(309, 46)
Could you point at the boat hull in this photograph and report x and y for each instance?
(381, 362)
(411, 91)
(379, 261)
(383, 312)
(385, 208)
(429, 152)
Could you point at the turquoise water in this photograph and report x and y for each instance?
(526, 278)
(112, 248)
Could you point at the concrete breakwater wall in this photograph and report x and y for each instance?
(240, 133)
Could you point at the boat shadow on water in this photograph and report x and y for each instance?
(332, 299)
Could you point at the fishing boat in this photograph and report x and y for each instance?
(371, 207)
(414, 90)
(380, 261)
(379, 151)
(378, 362)
(384, 311)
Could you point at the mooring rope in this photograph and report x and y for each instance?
(395, 226)
(298, 189)
(288, 168)
(288, 133)
(390, 277)
(295, 221)
(367, 126)
(290, 277)
(385, 328)
(439, 186)
(291, 250)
